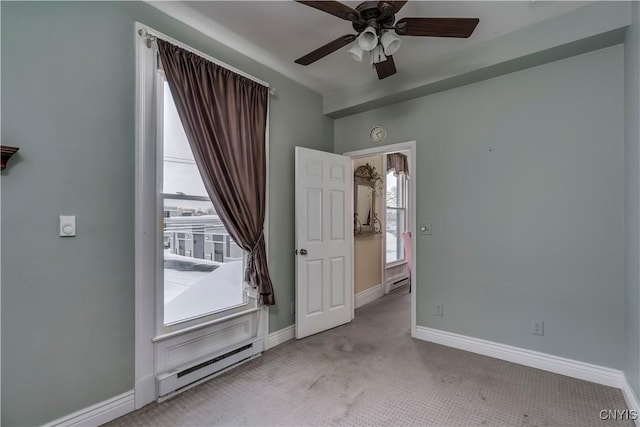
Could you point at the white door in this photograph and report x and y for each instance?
(324, 241)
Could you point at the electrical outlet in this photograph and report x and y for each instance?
(537, 327)
(439, 309)
(293, 308)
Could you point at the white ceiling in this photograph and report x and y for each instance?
(277, 32)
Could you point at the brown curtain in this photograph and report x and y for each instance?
(224, 116)
(397, 162)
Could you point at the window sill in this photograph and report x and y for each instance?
(165, 336)
(396, 263)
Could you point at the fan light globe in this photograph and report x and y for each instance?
(368, 39)
(390, 43)
(355, 52)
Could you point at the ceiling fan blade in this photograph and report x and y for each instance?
(437, 27)
(386, 68)
(396, 4)
(325, 50)
(334, 8)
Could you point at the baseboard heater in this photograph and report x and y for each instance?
(399, 283)
(178, 379)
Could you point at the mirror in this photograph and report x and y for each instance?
(364, 204)
(365, 216)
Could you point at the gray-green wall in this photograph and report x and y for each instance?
(632, 199)
(522, 179)
(68, 103)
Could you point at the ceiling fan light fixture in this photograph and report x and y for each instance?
(355, 52)
(390, 43)
(368, 39)
(376, 28)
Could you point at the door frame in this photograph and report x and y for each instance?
(409, 146)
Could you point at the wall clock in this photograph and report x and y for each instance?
(378, 134)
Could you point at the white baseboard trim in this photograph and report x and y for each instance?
(98, 414)
(632, 400)
(369, 295)
(547, 362)
(145, 391)
(278, 337)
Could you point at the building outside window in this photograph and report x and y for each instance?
(203, 266)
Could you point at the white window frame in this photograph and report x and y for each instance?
(161, 327)
(150, 337)
(405, 208)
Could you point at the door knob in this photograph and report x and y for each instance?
(303, 251)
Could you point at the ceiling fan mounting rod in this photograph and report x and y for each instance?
(374, 14)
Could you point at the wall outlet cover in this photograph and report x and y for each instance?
(537, 327)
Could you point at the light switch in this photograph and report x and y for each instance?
(425, 229)
(67, 225)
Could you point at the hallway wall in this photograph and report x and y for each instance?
(368, 249)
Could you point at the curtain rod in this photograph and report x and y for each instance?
(150, 38)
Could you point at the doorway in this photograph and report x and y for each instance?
(382, 256)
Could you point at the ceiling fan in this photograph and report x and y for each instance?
(373, 22)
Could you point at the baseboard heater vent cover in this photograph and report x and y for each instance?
(180, 378)
(398, 283)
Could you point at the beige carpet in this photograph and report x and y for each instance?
(371, 372)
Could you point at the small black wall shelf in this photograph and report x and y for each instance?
(6, 152)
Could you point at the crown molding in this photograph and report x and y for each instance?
(207, 26)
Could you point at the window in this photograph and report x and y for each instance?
(202, 265)
(396, 211)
